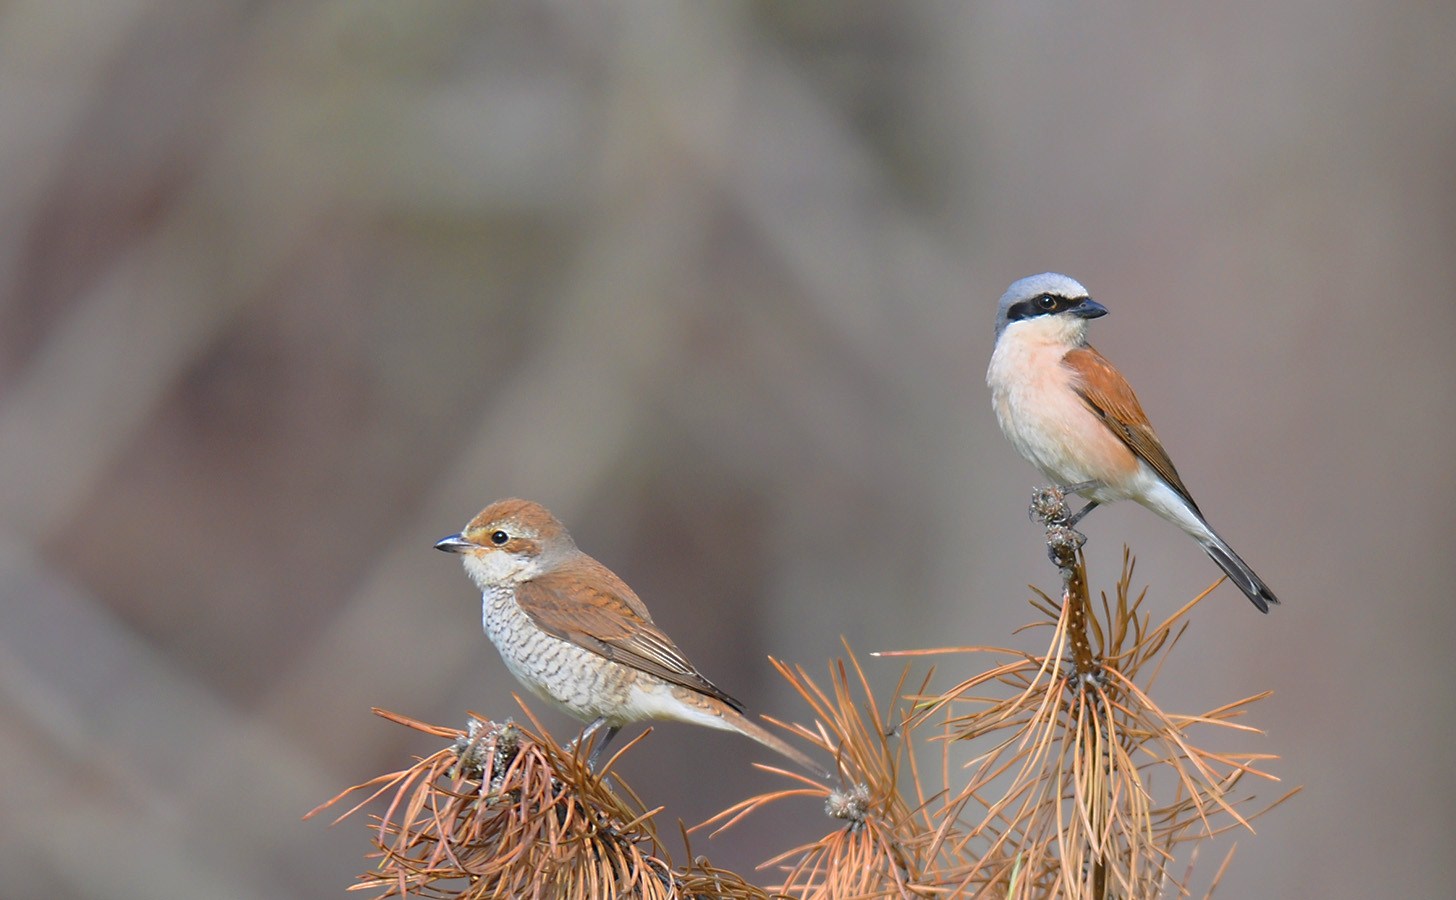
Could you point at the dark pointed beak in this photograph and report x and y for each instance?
(1089, 309)
(453, 544)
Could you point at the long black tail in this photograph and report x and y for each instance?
(1239, 572)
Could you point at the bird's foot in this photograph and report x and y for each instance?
(586, 734)
(1049, 504)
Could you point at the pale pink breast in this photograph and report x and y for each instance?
(1048, 422)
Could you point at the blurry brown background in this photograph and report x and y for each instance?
(291, 290)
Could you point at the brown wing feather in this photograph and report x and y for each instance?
(1111, 398)
(586, 603)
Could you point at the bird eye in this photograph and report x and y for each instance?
(499, 537)
(1046, 302)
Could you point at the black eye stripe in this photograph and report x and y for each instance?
(1033, 307)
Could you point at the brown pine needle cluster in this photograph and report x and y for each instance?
(1079, 784)
(505, 812)
(876, 847)
(1058, 776)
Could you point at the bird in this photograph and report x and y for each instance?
(1073, 415)
(579, 638)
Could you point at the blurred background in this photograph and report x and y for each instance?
(288, 291)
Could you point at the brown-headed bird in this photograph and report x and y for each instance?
(578, 637)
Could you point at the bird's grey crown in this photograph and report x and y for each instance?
(1034, 286)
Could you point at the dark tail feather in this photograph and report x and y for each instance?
(1240, 574)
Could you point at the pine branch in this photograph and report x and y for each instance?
(505, 811)
(1077, 783)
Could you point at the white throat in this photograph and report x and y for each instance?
(1066, 331)
(498, 568)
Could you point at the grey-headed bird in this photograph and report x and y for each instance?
(1072, 415)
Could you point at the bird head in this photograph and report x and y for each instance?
(509, 541)
(1053, 307)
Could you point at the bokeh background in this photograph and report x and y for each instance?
(291, 290)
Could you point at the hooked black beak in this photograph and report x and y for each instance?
(453, 544)
(1089, 309)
